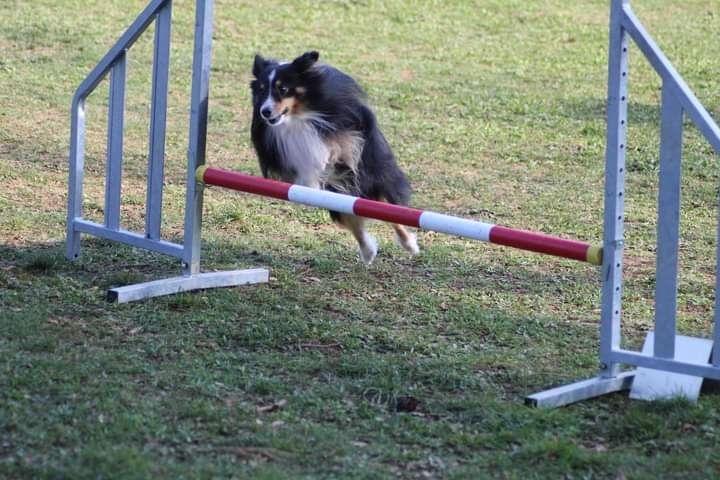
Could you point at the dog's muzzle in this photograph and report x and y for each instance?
(266, 114)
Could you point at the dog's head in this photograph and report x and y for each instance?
(279, 90)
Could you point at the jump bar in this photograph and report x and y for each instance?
(486, 232)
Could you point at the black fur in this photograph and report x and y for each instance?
(339, 101)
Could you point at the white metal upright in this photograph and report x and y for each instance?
(115, 64)
(670, 357)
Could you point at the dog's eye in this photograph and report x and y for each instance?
(283, 90)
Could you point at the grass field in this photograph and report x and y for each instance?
(496, 111)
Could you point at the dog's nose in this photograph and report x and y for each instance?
(266, 112)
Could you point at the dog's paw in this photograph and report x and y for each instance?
(409, 243)
(369, 250)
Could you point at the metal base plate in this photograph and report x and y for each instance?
(582, 390)
(169, 286)
(657, 384)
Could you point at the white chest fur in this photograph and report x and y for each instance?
(303, 150)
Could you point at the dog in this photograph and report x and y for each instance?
(311, 126)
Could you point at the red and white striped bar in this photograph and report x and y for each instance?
(486, 232)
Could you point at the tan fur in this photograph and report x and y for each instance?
(356, 225)
(289, 103)
(366, 242)
(345, 149)
(402, 233)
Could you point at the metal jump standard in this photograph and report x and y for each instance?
(668, 365)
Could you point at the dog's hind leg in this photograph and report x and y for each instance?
(405, 239)
(401, 196)
(367, 243)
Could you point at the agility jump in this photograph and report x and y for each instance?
(461, 227)
(678, 363)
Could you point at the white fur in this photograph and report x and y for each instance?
(368, 248)
(315, 118)
(298, 142)
(269, 102)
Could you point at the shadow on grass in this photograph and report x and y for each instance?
(106, 260)
(201, 364)
(328, 305)
(595, 109)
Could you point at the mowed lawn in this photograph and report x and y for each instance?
(412, 368)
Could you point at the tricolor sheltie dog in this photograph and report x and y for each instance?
(311, 126)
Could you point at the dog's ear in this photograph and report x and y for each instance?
(259, 65)
(305, 61)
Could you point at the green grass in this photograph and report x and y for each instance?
(496, 111)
